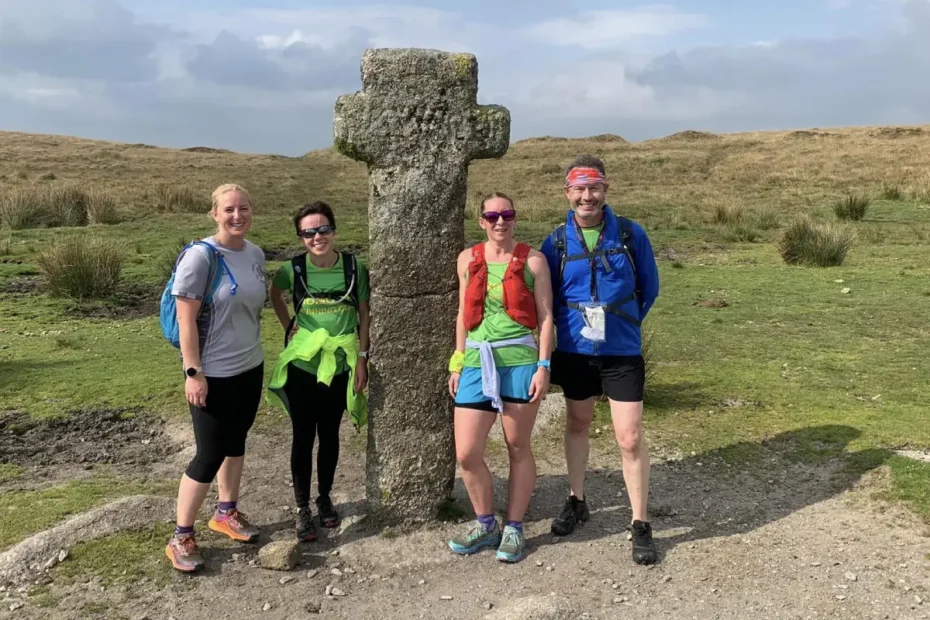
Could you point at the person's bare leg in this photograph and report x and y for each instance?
(191, 495)
(628, 427)
(229, 478)
(471, 436)
(577, 443)
(518, 421)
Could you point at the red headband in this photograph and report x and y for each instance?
(584, 177)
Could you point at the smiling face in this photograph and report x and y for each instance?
(494, 219)
(586, 190)
(317, 234)
(233, 214)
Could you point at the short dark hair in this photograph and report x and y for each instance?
(313, 208)
(494, 195)
(587, 161)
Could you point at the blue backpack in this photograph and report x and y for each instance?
(168, 315)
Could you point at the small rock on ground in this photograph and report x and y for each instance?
(279, 555)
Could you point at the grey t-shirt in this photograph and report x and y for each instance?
(229, 325)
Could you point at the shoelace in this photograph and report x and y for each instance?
(304, 519)
(238, 517)
(512, 538)
(188, 545)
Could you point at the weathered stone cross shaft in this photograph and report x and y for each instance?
(417, 125)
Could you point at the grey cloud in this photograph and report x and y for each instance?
(103, 42)
(232, 60)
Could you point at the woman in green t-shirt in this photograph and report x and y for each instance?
(323, 370)
(505, 295)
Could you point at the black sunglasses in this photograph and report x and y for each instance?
(310, 233)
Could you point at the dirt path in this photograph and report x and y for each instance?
(779, 540)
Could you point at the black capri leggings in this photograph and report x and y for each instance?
(221, 427)
(316, 411)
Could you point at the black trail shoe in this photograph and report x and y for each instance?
(644, 550)
(328, 516)
(306, 529)
(574, 512)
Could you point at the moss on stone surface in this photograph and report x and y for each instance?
(463, 64)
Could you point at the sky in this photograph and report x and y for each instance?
(261, 76)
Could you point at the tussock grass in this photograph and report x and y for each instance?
(57, 206)
(102, 208)
(23, 208)
(852, 207)
(81, 267)
(180, 199)
(821, 245)
(891, 191)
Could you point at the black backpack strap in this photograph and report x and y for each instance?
(299, 285)
(626, 238)
(350, 270)
(560, 248)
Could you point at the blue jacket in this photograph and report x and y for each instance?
(615, 287)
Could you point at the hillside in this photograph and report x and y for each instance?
(670, 181)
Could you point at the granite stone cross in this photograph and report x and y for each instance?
(417, 125)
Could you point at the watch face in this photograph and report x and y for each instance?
(191, 372)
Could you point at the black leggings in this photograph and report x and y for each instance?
(221, 427)
(316, 411)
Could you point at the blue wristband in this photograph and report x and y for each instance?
(543, 364)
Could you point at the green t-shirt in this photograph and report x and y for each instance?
(337, 319)
(591, 234)
(497, 325)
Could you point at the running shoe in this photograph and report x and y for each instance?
(234, 524)
(183, 552)
(574, 512)
(513, 545)
(475, 539)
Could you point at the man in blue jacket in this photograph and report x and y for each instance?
(605, 280)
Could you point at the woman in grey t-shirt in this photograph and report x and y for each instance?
(223, 362)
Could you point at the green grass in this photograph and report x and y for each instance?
(140, 554)
(9, 472)
(27, 512)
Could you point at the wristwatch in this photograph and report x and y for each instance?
(543, 364)
(363, 354)
(193, 371)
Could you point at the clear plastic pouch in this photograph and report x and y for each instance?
(594, 321)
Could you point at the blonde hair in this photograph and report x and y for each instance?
(225, 188)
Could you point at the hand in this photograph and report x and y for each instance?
(361, 374)
(539, 386)
(454, 383)
(195, 388)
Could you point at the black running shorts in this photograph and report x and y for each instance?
(621, 377)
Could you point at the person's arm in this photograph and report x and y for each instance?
(190, 284)
(647, 270)
(361, 367)
(461, 334)
(279, 303)
(554, 263)
(278, 293)
(542, 292)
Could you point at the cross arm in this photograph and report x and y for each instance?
(490, 132)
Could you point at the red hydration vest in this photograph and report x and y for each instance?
(518, 300)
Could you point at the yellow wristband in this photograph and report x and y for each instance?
(457, 362)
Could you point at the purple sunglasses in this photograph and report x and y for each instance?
(493, 216)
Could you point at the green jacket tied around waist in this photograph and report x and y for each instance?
(304, 346)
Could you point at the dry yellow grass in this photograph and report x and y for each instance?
(671, 182)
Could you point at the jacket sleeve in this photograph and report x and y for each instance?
(647, 271)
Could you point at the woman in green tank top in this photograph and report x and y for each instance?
(498, 367)
(323, 370)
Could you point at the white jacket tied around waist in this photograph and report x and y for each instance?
(490, 379)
